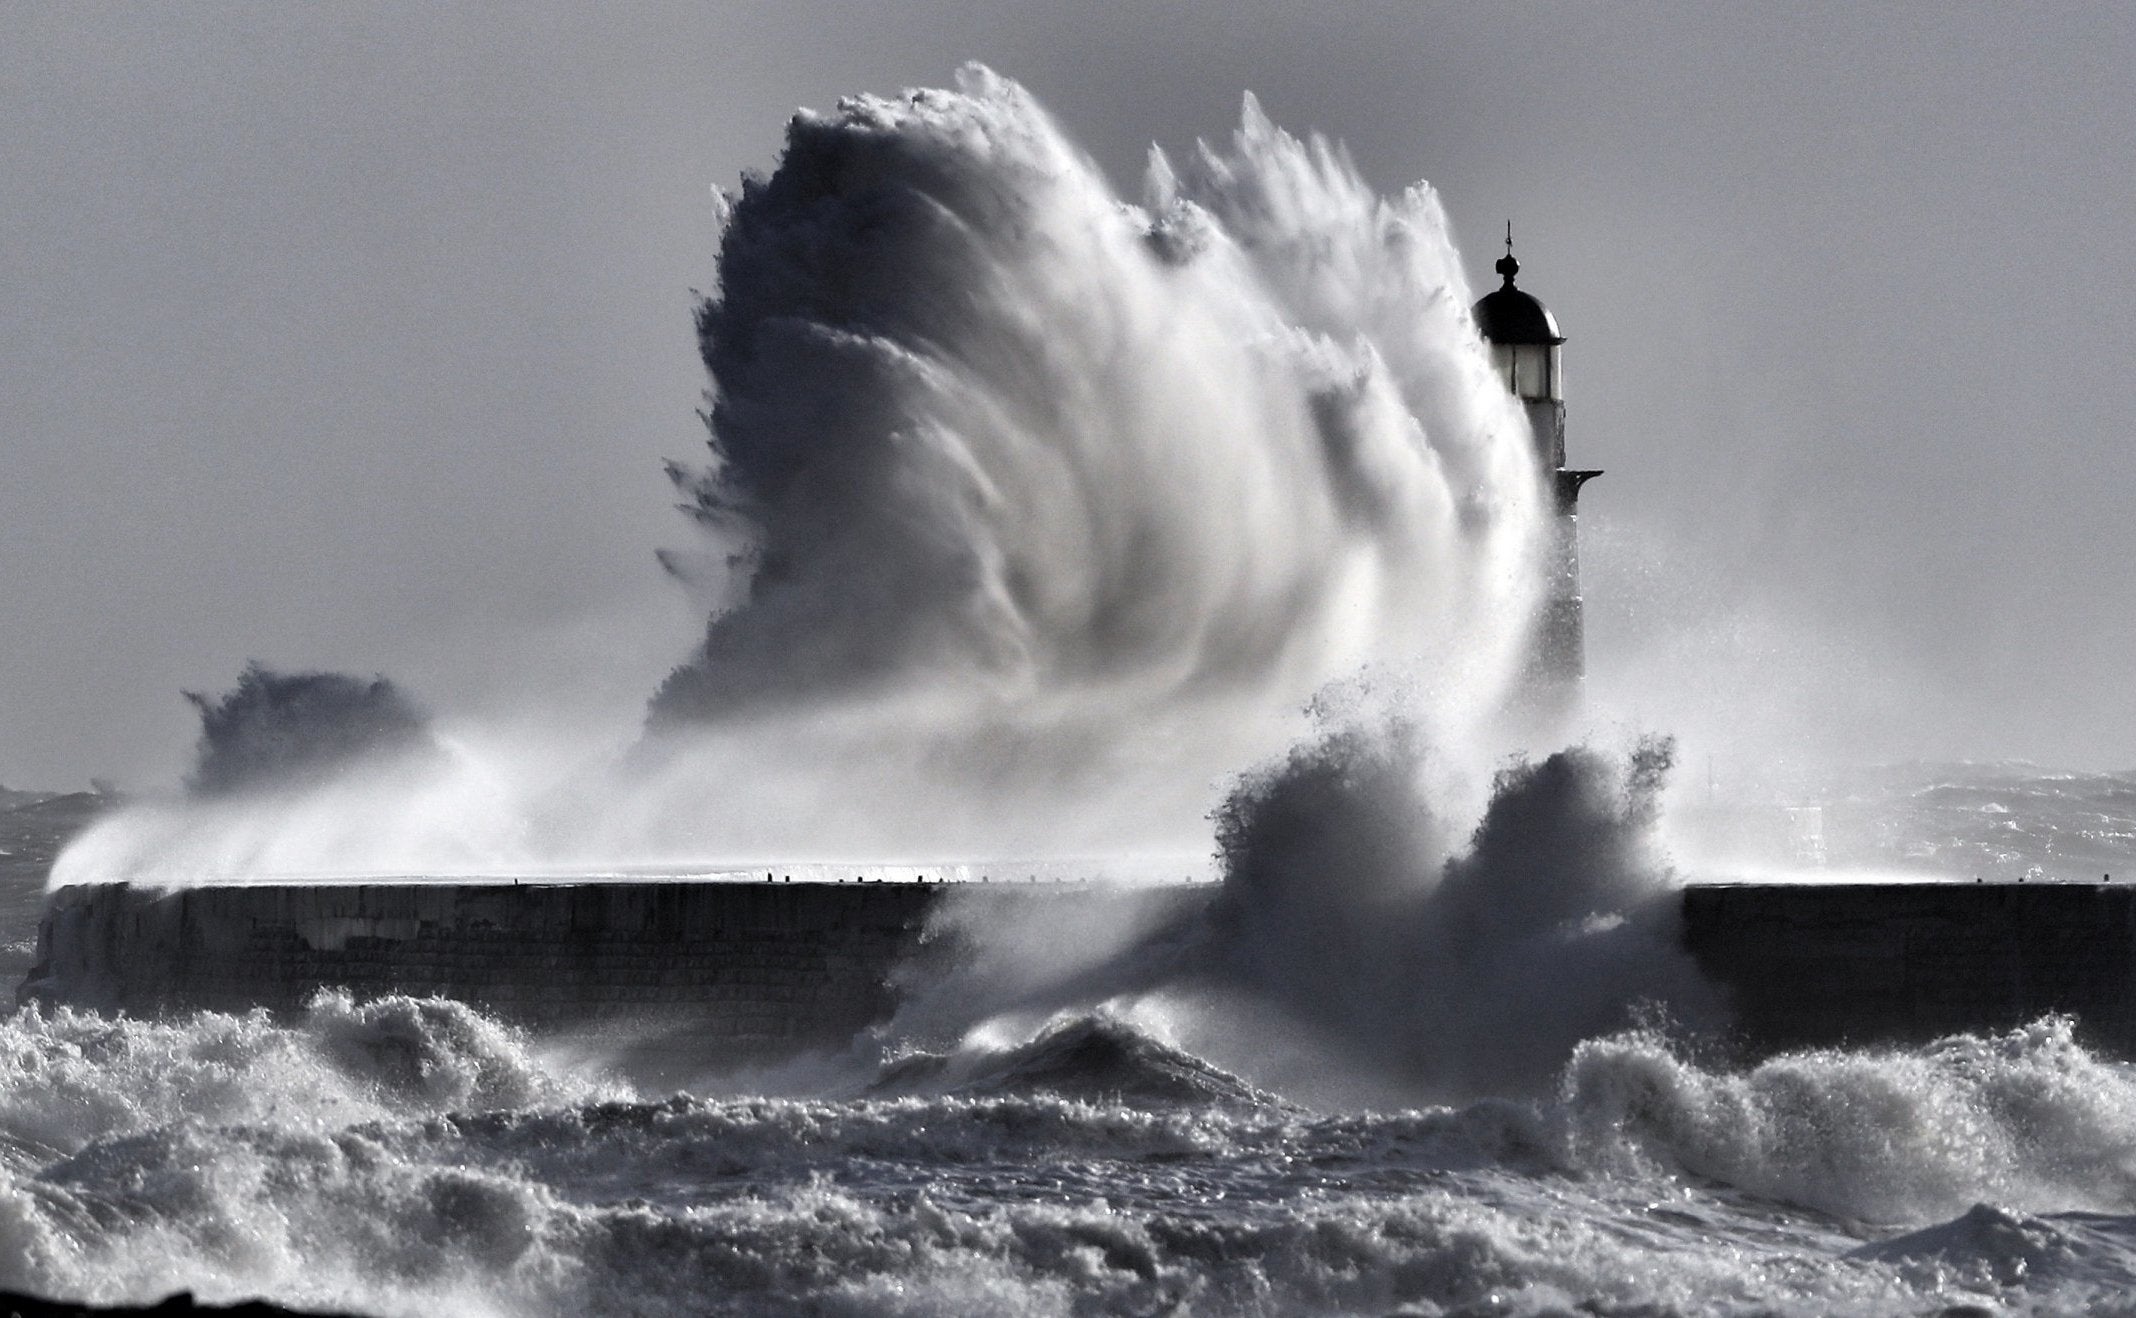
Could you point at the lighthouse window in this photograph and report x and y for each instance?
(1502, 362)
(1529, 369)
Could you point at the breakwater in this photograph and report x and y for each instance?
(768, 968)
(764, 968)
(1851, 963)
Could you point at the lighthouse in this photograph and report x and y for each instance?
(1528, 352)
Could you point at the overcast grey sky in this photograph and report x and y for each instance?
(353, 336)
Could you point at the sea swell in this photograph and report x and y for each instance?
(407, 1157)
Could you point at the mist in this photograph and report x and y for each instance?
(1369, 944)
(1842, 322)
(1031, 515)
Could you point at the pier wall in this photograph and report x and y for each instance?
(1831, 963)
(770, 968)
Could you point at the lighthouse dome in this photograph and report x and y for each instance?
(1509, 315)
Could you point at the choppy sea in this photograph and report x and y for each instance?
(413, 1157)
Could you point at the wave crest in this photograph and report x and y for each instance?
(2028, 1118)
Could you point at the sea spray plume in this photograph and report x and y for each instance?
(1078, 481)
(994, 970)
(1053, 510)
(284, 730)
(1355, 952)
(312, 774)
(1562, 918)
(1462, 976)
(1325, 856)
(1380, 277)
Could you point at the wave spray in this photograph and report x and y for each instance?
(1032, 513)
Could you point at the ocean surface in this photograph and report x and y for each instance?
(413, 1157)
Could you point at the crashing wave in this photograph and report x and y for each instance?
(1095, 1058)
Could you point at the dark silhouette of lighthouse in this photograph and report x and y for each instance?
(1529, 354)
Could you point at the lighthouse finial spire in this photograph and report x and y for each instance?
(1507, 266)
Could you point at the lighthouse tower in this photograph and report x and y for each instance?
(1529, 354)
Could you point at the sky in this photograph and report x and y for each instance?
(355, 336)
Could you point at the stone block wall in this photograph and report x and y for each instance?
(772, 968)
(1830, 963)
(769, 967)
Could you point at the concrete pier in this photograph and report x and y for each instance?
(765, 968)
(1852, 963)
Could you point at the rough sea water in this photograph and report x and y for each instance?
(1035, 516)
(413, 1158)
